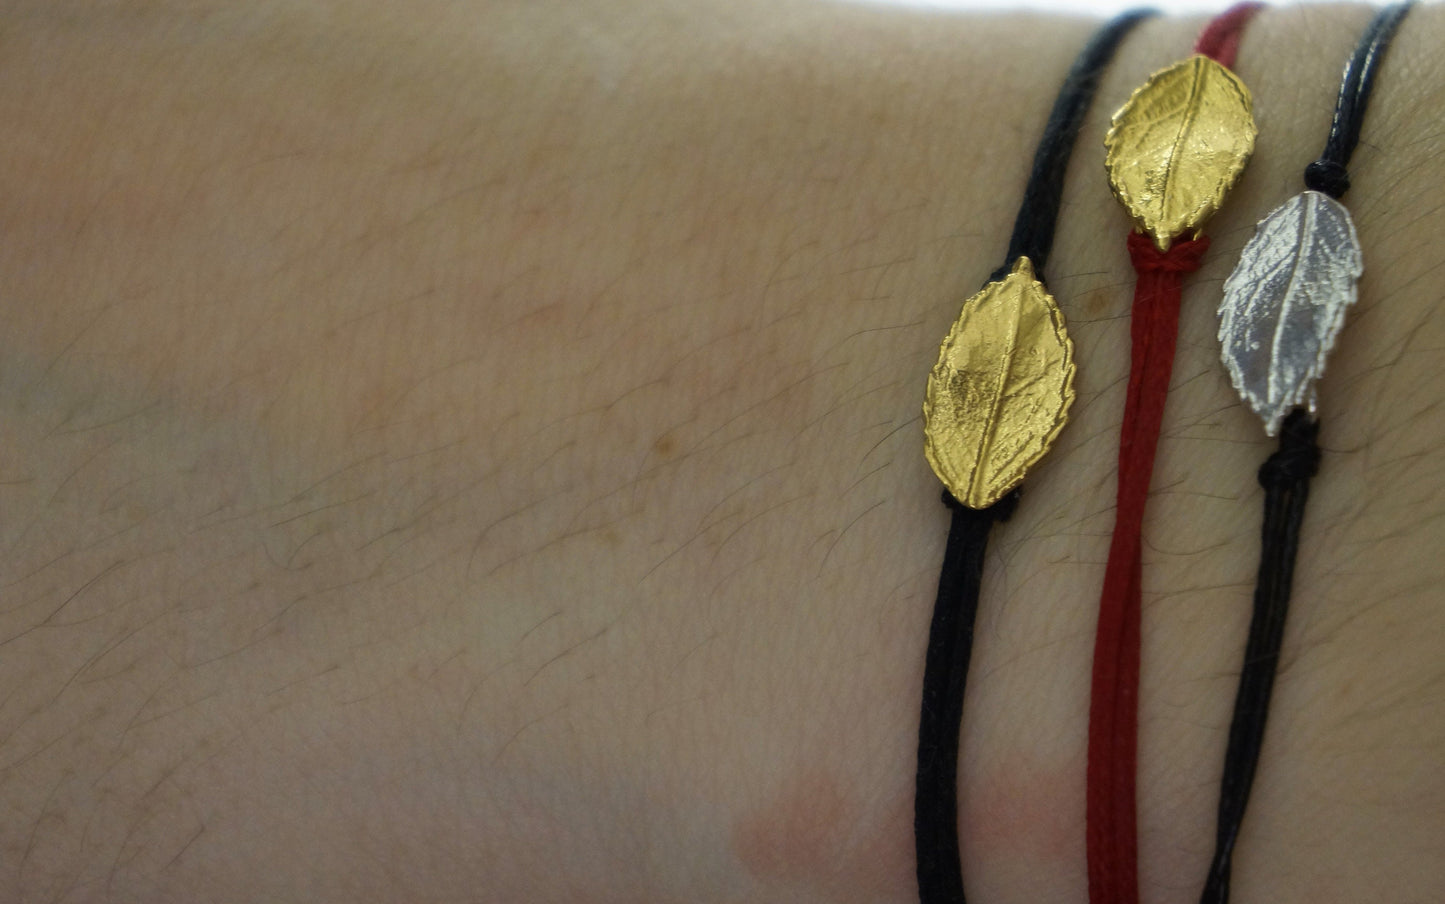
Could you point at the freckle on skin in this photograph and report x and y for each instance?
(1097, 304)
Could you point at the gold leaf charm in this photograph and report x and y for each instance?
(1001, 390)
(1178, 145)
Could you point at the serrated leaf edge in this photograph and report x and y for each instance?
(1230, 306)
(970, 495)
(1208, 205)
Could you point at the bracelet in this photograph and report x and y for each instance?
(1173, 150)
(1283, 307)
(997, 398)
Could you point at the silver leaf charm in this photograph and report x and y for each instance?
(1285, 302)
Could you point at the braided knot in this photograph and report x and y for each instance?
(1182, 257)
(1298, 456)
(1327, 176)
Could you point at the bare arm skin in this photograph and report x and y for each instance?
(460, 451)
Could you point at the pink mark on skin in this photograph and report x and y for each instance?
(819, 834)
(1025, 817)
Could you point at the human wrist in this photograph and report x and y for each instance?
(568, 437)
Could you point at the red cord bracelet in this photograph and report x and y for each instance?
(1139, 165)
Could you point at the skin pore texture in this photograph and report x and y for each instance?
(470, 451)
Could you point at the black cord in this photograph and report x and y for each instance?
(1329, 174)
(1285, 476)
(950, 637)
(945, 670)
(1033, 233)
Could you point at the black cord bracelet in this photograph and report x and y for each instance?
(977, 499)
(1293, 284)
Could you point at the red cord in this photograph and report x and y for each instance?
(1112, 833)
(1220, 38)
(1113, 712)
